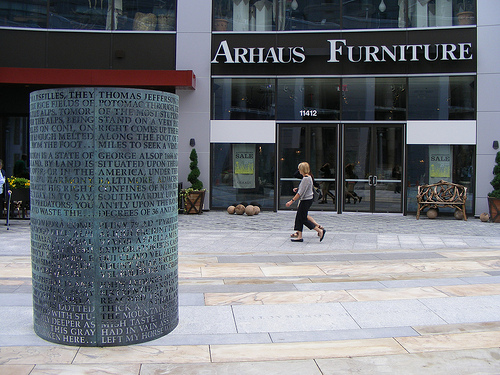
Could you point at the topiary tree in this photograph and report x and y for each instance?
(496, 180)
(195, 172)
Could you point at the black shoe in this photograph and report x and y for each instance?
(297, 240)
(360, 199)
(323, 235)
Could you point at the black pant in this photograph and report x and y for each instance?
(301, 216)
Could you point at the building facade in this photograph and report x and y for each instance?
(379, 96)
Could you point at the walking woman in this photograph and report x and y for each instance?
(305, 195)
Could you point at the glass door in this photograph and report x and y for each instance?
(317, 145)
(373, 168)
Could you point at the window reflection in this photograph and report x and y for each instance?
(23, 13)
(373, 14)
(266, 15)
(309, 98)
(281, 15)
(374, 99)
(435, 13)
(441, 98)
(149, 15)
(364, 99)
(243, 99)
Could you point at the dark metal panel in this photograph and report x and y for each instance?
(79, 50)
(23, 48)
(143, 51)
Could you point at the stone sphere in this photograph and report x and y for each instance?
(459, 215)
(432, 213)
(231, 209)
(249, 210)
(240, 209)
(256, 210)
(484, 217)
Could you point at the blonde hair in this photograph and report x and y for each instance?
(304, 168)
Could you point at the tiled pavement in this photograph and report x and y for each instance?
(382, 294)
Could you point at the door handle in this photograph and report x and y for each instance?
(372, 180)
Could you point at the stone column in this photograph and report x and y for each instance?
(104, 215)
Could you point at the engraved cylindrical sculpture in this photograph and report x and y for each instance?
(104, 215)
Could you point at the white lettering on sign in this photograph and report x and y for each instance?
(259, 55)
(339, 48)
(399, 53)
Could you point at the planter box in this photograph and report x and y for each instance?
(193, 203)
(494, 205)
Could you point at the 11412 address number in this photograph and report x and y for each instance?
(308, 112)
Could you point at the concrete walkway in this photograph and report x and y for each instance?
(382, 294)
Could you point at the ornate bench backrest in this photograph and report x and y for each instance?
(442, 191)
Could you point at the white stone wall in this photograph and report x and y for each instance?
(194, 24)
(488, 102)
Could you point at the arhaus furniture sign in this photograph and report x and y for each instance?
(340, 49)
(345, 53)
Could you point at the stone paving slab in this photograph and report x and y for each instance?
(459, 362)
(445, 269)
(291, 318)
(346, 334)
(466, 309)
(399, 313)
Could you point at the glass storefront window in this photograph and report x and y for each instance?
(441, 13)
(373, 14)
(242, 173)
(368, 99)
(284, 15)
(265, 15)
(308, 98)
(442, 98)
(27, 13)
(243, 99)
(152, 15)
(351, 99)
(428, 164)
(149, 15)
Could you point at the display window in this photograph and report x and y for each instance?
(243, 173)
(149, 15)
(289, 15)
(428, 164)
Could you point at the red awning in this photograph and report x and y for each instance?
(184, 79)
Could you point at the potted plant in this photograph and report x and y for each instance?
(195, 195)
(466, 15)
(494, 196)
